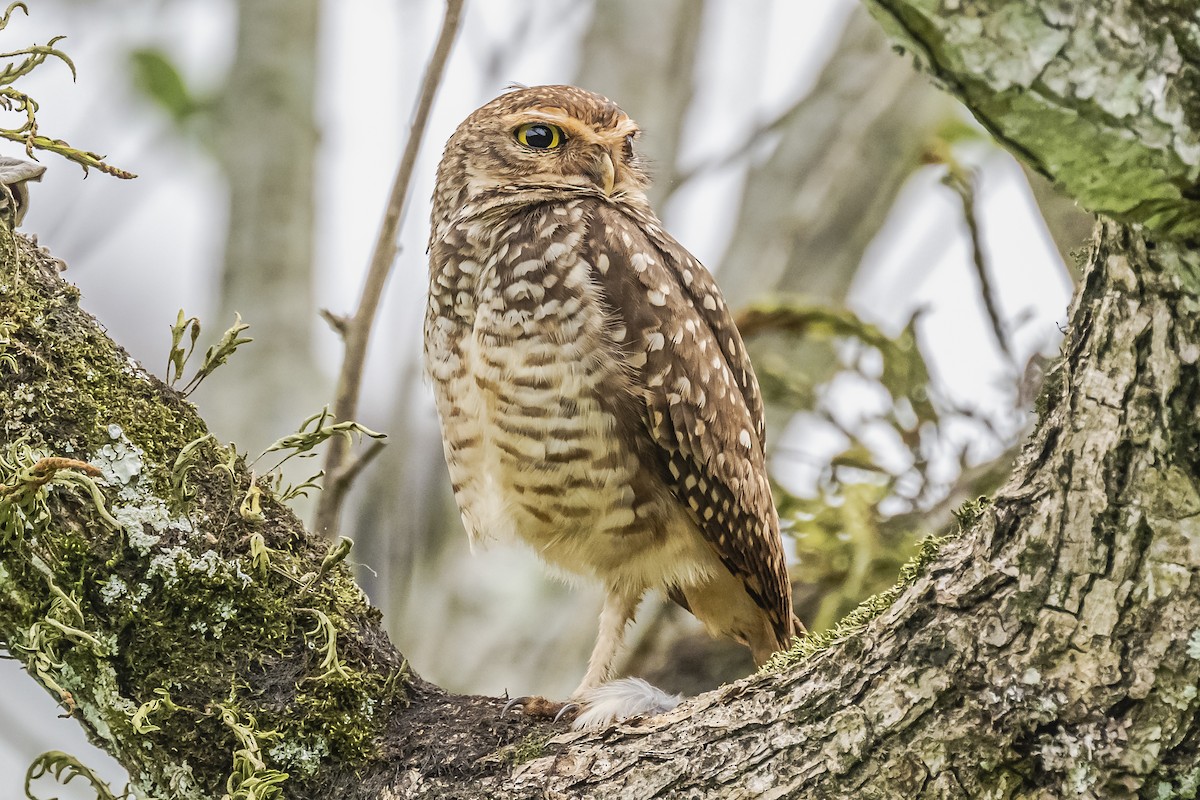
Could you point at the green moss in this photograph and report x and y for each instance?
(1047, 398)
(971, 511)
(125, 588)
(857, 620)
(1187, 788)
(213, 610)
(65, 768)
(67, 405)
(178, 617)
(529, 748)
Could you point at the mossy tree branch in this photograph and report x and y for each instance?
(1051, 650)
(162, 616)
(1101, 97)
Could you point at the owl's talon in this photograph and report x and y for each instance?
(570, 710)
(534, 706)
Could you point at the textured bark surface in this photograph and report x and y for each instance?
(1101, 97)
(1051, 651)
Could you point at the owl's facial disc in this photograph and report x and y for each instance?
(553, 146)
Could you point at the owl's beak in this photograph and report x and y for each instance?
(604, 172)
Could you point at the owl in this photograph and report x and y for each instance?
(596, 400)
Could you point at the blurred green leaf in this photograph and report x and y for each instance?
(849, 540)
(859, 457)
(813, 321)
(955, 129)
(905, 373)
(845, 547)
(156, 76)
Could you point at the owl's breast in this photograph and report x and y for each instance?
(539, 418)
(543, 385)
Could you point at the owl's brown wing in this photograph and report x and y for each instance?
(702, 406)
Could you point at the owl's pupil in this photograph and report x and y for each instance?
(539, 137)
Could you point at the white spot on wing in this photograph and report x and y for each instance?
(526, 267)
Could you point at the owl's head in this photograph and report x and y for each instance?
(544, 137)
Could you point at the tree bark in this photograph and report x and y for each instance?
(1100, 97)
(1049, 651)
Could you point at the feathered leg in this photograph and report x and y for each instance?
(619, 609)
(601, 700)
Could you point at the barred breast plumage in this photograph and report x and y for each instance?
(595, 397)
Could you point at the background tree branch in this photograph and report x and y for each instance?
(262, 132)
(356, 330)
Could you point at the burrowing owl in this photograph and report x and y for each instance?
(595, 396)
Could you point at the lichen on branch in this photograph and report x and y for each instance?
(177, 630)
(1100, 96)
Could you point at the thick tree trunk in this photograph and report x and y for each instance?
(1050, 651)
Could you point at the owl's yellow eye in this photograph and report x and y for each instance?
(540, 136)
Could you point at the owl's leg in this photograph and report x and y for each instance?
(619, 609)
(599, 700)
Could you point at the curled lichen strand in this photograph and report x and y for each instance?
(165, 593)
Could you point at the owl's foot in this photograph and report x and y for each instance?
(534, 706)
(608, 703)
(620, 700)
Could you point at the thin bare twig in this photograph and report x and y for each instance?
(358, 327)
(739, 153)
(962, 182)
(354, 466)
